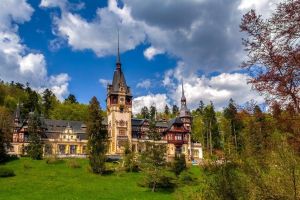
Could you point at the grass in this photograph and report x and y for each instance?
(39, 180)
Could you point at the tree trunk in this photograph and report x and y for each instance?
(154, 186)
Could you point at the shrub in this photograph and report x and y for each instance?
(26, 166)
(73, 164)
(186, 178)
(179, 164)
(5, 172)
(54, 160)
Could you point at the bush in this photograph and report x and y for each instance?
(179, 164)
(54, 160)
(5, 172)
(73, 164)
(186, 178)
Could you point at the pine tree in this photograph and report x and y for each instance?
(154, 164)
(71, 99)
(179, 164)
(97, 138)
(49, 101)
(230, 113)
(211, 128)
(153, 113)
(145, 112)
(153, 133)
(35, 147)
(175, 110)
(167, 110)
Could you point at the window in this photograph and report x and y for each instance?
(122, 132)
(62, 148)
(73, 149)
(178, 137)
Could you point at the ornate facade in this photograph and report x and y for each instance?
(69, 138)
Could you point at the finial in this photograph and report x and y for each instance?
(182, 88)
(118, 54)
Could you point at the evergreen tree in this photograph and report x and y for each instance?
(211, 128)
(167, 110)
(129, 163)
(5, 132)
(230, 113)
(153, 133)
(71, 99)
(31, 103)
(48, 102)
(97, 138)
(145, 112)
(200, 109)
(153, 112)
(154, 164)
(175, 110)
(35, 147)
(179, 164)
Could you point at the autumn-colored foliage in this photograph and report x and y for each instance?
(273, 47)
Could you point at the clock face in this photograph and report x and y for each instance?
(122, 99)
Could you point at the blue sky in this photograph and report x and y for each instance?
(70, 47)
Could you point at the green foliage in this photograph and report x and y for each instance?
(73, 163)
(54, 160)
(6, 172)
(179, 164)
(68, 111)
(35, 147)
(153, 162)
(5, 132)
(129, 160)
(71, 99)
(97, 138)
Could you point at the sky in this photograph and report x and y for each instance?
(70, 46)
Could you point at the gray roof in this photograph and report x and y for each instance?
(119, 80)
(60, 125)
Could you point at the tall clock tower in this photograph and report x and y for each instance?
(119, 111)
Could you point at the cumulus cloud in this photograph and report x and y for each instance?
(100, 34)
(17, 62)
(207, 38)
(151, 52)
(219, 88)
(104, 82)
(144, 84)
(157, 100)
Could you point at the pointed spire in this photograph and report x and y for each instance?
(182, 90)
(118, 53)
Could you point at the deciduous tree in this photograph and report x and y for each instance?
(274, 52)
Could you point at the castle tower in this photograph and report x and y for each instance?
(185, 114)
(119, 110)
(186, 118)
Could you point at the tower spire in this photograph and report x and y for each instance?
(118, 53)
(182, 90)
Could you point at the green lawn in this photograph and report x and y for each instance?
(38, 180)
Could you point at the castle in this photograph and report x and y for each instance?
(69, 138)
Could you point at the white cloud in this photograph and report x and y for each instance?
(17, 62)
(53, 3)
(158, 100)
(104, 82)
(219, 88)
(150, 52)
(264, 7)
(144, 84)
(100, 35)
